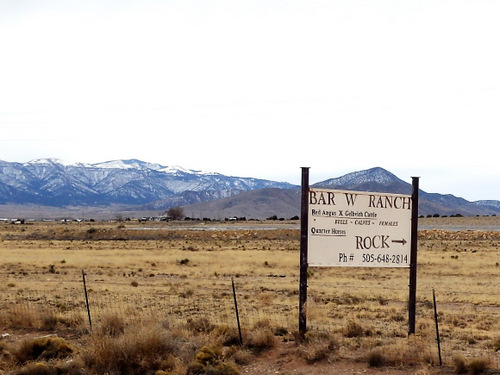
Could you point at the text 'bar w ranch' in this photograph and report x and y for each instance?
(358, 229)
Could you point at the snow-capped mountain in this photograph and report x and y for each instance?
(53, 182)
(489, 203)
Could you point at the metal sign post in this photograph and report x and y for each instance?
(412, 300)
(304, 220)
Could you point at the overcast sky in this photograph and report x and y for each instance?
(258, 88)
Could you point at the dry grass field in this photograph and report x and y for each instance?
(161, 301)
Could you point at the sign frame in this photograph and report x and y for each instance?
(304, 242)
(358, 229)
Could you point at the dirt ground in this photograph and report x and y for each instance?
(284, 361)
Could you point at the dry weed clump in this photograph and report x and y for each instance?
(318, 346)
(53, 368)
(37, 319)
(478, 366)
(200, 325)
(110, 324)
(495, 344)
(197, 348)
(136, 350)
(226, 335)
(460, 364)
(38, 368)
(412, 351)
(5, 355)
(474, 366)
(50, 321)
(355, 329)
(376, 358)
(243, 357)
(41, 348)
(210, 360)
(259, 340)
(18, 319)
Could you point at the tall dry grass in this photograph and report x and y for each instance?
(177, 276)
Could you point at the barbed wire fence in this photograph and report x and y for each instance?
(375, 314)
(219, 308)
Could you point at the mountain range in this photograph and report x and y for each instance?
(133, 182)
(141, 186)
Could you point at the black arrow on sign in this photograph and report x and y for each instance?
(403, 241)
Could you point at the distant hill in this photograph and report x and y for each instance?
(286, 203)
(257, 204)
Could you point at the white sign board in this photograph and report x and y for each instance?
(358, 229)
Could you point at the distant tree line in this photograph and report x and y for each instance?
(456, 215)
